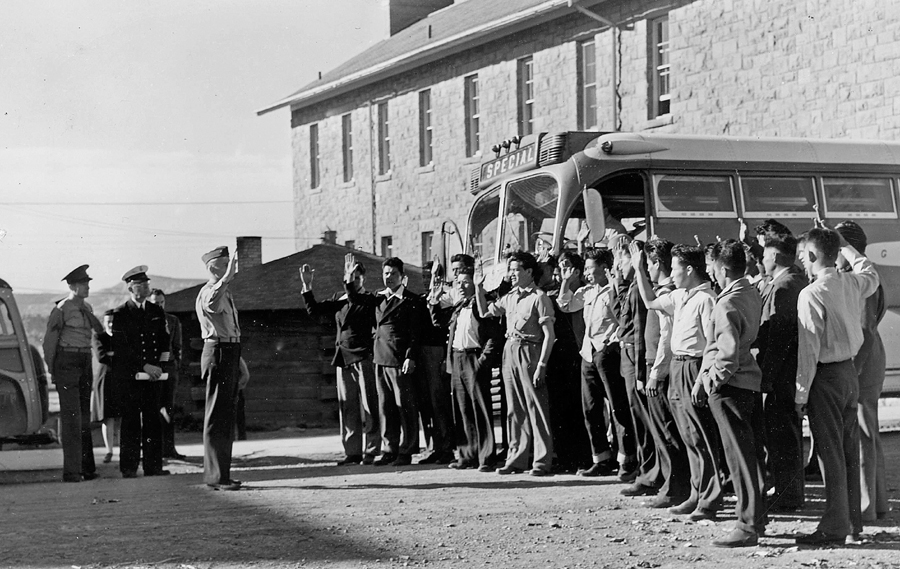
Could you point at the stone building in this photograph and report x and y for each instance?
(384, 144)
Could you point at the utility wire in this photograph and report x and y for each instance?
(114, 204)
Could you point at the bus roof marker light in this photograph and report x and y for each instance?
(496, 149)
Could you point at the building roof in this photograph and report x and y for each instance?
(457, 28)
(276, 285)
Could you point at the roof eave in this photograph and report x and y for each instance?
(469, 39)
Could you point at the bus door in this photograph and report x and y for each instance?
(20, 401)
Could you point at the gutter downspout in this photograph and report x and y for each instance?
(617, 44)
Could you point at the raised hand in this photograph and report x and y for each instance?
(568, 273)
(479, 272)
(307, 274)
(636, 252)
(818, 221)
(742, 230)
(232, 268)
(697, 241)
(350, 266)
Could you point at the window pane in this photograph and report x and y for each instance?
(858, 195)
(425, 127)
(695, 194)
(530, 212)
(6, 323)
(764, 195)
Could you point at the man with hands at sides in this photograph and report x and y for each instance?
(357, 395)
(398, 317)
(529, 340)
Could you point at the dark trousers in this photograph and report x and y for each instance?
(784, 445)
(670, 450)
(471, 385)
(737, 412)
(633, 366)
(141, 435)
(698, 430)
(433, 398)
(73, 377)
(220, 368)
(606, 366)
(358, 406)
(397, 409)
(832, 409)
(169, 388)
(571, 442)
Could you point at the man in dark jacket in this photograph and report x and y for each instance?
(357, 396)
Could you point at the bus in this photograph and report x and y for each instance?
(553, 191)
(23, 400)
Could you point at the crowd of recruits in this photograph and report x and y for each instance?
(661, 336)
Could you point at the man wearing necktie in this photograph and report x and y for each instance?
(140, 342)
(220, 366)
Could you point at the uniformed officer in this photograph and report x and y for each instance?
(141, 342)
(67, 350)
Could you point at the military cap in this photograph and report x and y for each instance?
(78, 275)
(138, 273)
(853, 234)
(215, 254)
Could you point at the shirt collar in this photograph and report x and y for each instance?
(779, 272)
(665, 282)
(395, 294)
(524, 290)
(737, 283)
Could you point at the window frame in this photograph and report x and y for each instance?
(384, 138)
(471, 104)
(525, 95)
(828, 213)
(775, 213)
(583, 47)
(347, 146)
(659, 67)
(315, 172)
(655, 176)
(426, 131)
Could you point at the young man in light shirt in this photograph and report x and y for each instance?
(600, 354)
(690, 306)
(830, 335)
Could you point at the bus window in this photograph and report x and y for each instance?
(767, 196)
(6, 323)
(694, 196)
(859, 197)
(530, 214)
(483, 231)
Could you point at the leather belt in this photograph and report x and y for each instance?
(74, 350)
(683, 358)
(466, 351)
(223, 340)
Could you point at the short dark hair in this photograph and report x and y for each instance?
(157, 292)
(466, 260)
(691, 256)
(853, 234)
(730, 253)
(772, 228)
(785, 246)
(660, 251)
(601, 256)
(527, 261)
(467, 270)
(827, 241)
(394, 262)
(574, 259)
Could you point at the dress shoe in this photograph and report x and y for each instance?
(350, 460)
(386, 459)
(737, 538)
(71, 478)
(229, 486)
(108, 458)
(539, 472)
(686, 507)
(509, 470)
(486, 468)
(432, 458)
(461, 465)
(175, 455)
(157, 473)
(129, 474)
(660, 502)
(445, 458)
(89, 476)
(819, 537)
(628, 473)
(402, 460)
(701, 514)
(638, 489)
(368, 459)
(597, 469)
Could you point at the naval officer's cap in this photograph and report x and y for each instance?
(138, 274)
(215, 254)
(79, 275)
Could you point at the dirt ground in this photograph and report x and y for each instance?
(306, 513)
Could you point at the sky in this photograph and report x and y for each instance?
(129, 134)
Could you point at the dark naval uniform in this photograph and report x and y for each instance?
(67, 350)
(139, 338)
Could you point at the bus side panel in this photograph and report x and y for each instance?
(19, 391)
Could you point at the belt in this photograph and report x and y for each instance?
(466, 351)
(223, 340)
(683, 358)
(824, 364)
(522, 340)
(74, 350)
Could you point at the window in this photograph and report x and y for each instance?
(530, 212)
(859, 197)
(470, 99)
(314, 156)
(350, 244)
(526, 95)
(427, 239)
(387, 246)
(659, 66)
(694, 196)
(788, 197)
(347, 144)
(6, 321)
(425, 133)
(384, 140)
(587, 85)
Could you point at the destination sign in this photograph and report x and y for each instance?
(522, 159)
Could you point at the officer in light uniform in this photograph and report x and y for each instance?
(67, 350)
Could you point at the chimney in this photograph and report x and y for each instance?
(404, 13)
(249, 250)
(329, 237)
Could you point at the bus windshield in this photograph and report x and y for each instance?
(529, 214)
